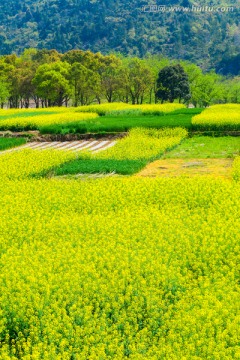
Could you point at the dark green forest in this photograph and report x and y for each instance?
(210, 40)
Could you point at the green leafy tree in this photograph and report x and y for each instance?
(4, 93)
(111, 79)
(155, 64)
(208, 90)
(52, 83)
(194, 73)
(139, 78)
(173, 83)
(234, 90)
(10, 74)
(86, 84)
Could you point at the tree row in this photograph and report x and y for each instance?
(44, 78)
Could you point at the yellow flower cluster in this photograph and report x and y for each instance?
(219, 116)
(24, 163)
(45, 119)
(144, 144)
(166, 108)
(102, 109)
(236, 168)
(30, 111)
(118, 268)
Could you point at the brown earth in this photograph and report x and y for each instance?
(36, 136)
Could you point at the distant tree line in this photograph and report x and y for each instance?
(47, 78)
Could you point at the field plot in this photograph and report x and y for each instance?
(118, 268)
(218, 117)
(129, 155)
(197, 156)
(206, 147)
(189, 168)
(28, 162)
(45, 122)
(127, 109)
(6, 143)
(122, 123)
(113, 118)
(11, 113)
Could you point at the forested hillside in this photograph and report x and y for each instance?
(212, 40)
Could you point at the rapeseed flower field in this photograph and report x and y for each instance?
(219, 117)
(44, 120)
(144, 144)
(105, 108)
(28, 162)
(119, 268)
(6, 113)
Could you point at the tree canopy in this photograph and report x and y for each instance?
(173, 83)
(78, 77)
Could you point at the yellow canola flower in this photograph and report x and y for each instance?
(119, 268)
(38, 121)
(218, 116)
(105, 108)
(236, 169)
(144, 144)
(165, 108)
(27, 162)
(30, 111)
(102, 108)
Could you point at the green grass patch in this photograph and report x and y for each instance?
(92, 166)
(122, 123)
(7, 143)
(206, 147)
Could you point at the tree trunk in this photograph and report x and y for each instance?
(150, 96)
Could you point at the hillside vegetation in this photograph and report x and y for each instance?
(207, 38)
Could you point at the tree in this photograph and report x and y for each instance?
(52, 83)
(208, 90)
(233, 90)
(4, 93)
(138, 78)
(85, 82)
(194, 73)
(173, 83)
(43, 56)
(155, 63)
(111, 79)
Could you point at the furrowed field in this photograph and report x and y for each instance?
(122, 267)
